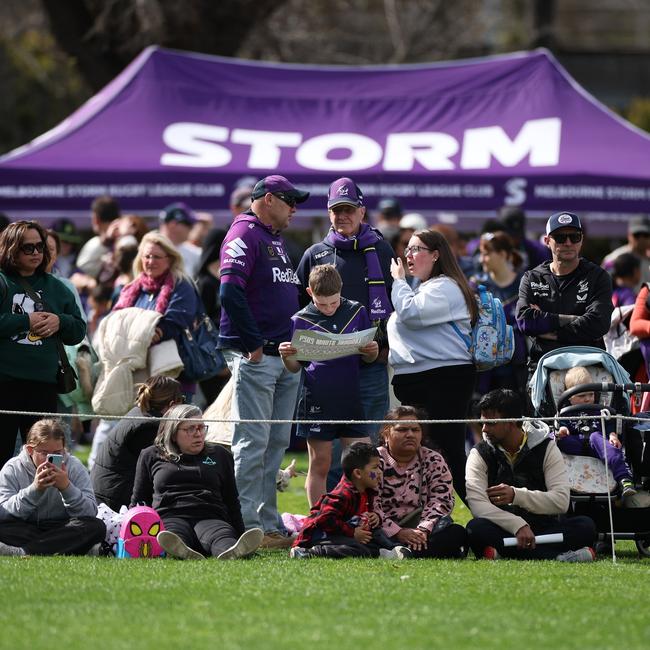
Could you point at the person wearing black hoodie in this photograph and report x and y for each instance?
(208, 282)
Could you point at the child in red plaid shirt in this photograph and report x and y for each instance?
(344, 523)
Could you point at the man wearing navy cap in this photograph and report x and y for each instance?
(362, 257)
(568, 300)
(259, 295)
(176, 221)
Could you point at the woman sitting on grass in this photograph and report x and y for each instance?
(192, 486)
(113, 473)
(415, 490)
(47, 505)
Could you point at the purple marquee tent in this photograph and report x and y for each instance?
(463, 135)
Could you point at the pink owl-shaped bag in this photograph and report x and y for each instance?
(138, 533)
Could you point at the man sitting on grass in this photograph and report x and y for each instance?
(517, 485)
(343, 522)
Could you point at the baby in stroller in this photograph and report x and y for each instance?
(584, 437)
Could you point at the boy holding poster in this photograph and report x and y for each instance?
(330, 388)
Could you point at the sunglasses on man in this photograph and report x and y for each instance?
(561, 237)
(289, 200)
(30, 249)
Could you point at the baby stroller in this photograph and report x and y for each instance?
(589, 485)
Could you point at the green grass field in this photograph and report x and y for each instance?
(273, 602)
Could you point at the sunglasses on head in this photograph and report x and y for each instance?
(30, 249)
(561, 237)
(289, 200)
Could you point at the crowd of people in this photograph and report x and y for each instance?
(374, 490)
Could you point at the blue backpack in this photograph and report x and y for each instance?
(492, 340)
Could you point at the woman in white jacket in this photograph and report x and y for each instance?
(432, 365)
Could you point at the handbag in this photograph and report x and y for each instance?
(66, 377)
(197, 347)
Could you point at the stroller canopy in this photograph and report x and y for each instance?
(568, 357)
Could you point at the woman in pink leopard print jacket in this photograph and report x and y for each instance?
(416, 492)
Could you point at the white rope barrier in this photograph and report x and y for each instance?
(553, 418)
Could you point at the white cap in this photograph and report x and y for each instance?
(413, 221)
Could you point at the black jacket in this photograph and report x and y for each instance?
(196, 487)
(586, 293)
(113, 473)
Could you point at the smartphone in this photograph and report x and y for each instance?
(55, 459)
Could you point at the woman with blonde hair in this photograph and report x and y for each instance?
(113, 472)
(191, 484)
(161, 285)
(433, 367)
(47, 505)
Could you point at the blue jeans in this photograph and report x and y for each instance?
(375, 401)
(261, 391)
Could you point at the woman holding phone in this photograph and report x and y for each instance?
(47, 505)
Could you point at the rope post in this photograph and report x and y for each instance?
(605, 415)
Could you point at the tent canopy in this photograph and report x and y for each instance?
(464, 135)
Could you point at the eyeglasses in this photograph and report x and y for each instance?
(413, 250)
(155, 258)
(561, 237)
(289, 200)
(193, 428)
(638, 235)
(30, 249)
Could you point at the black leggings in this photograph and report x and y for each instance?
(445, 394)
(208, 536)
(22, 395)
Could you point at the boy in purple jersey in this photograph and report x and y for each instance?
(331, 388)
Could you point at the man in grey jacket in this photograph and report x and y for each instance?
(517, 486)
(47, 505)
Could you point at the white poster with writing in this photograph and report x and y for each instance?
(319, 346)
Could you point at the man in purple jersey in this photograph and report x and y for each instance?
(259, 295)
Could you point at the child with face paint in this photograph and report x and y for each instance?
(344, 522)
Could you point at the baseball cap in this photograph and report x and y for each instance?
(275, 184)
(344, 191)
(389, 207)
(66, 230)
(562, 220)
(638, 225)
(179, 212)
(413, 221)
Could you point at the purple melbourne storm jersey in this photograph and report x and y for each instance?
(253, 258)
(331, 388)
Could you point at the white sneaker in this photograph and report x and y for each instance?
(584, 554)
(246, 545)
(173, 545)
(396, 553)
(7, 550)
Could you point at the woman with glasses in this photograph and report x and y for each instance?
(161, 285)
(191, 484)
(432, 366)
(36, 309)
(415, 490)
(113, 472)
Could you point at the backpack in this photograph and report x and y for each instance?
(138, 533)
(492, 341)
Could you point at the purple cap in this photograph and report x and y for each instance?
(562, 220)
(278, 184)
(344, 191)
(180, 212)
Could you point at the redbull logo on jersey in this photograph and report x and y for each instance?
(288, 275)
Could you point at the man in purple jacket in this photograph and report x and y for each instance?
(259, 295)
